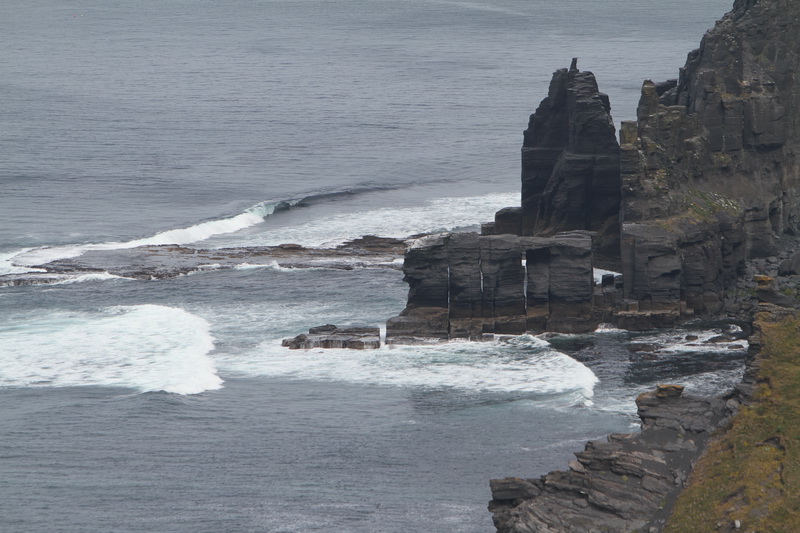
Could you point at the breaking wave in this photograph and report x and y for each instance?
(145, 347)
(522, 364)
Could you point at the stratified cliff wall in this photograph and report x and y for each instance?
(709, 170)
(706, 177)
(709, 178)
(570, 160)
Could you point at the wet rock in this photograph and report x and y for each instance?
(669, 391)
(331, 336)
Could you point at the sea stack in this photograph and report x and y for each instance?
(705, 178)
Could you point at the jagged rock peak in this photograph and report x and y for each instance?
(570, 160)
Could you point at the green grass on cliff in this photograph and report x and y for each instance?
(752, 472)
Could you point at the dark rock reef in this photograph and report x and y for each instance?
(332, 336)
(168, 261)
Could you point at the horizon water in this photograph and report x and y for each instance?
(132, 405)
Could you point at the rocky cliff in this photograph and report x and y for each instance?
(709, 172)
(709, 183)
(706, 177)
(627, 483)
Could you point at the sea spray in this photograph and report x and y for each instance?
(196, 233)
(145, 347)
(523, 364)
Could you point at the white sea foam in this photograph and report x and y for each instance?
(198, 232)
(146, 347)
(100, 276)
(694, 341)
(598, 274)
(610, 329)
(520, 364)
(274, 265)
(436, 215)
(7, 266)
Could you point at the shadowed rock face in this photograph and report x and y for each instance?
(570, 160)
(711, 161)
(706, 178)
(709, 177)
(627, 483)
(464, 285)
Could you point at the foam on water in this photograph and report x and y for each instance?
(439, 214)
(695, 341)
(145, 347)
(522, 364)
(100, 276)
(436, 215)
(274, 265)
(7, 265)
(196, 233)
(611, 329)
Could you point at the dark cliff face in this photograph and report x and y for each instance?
(706, 177)
(570, 160)
(709, 177)
(712, 160)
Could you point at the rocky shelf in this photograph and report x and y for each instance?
(167, 261)
(628, 482)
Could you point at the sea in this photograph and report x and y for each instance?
(170, 405)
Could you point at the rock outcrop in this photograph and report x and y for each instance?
(331, 336)
(709, 184)
(705, 178)
(465, 286)
(570, 161)
(709, 168)
(627, 483)
(169, 261)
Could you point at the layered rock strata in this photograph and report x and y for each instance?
(705, 178)
(570, 162)
(331, 336)
(626, 483)
(465, 286)
(709, 170)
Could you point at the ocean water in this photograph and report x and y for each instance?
(131, 405)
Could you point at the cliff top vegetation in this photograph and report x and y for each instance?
(750, 476)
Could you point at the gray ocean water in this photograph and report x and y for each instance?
(169, 405)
